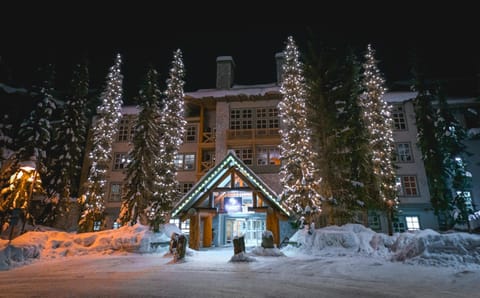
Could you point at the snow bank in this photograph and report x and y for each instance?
(271, 252)
(431, 248)
(338, 241)
(242, 257)
(425, 247)
(55, 244)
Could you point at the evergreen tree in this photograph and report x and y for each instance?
(432, 152)
(69, 144)
(104, 131)
(35, 133)
(172, 130)
(298, 174)
(377, 117)
(142, 178)
(451, 136)
(6, 138)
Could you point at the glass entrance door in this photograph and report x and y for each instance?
(250, 228)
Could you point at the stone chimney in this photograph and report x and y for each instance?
(225, 68)
(280, 59)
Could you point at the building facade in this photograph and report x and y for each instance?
(244, 120)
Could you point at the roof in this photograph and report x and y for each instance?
(210, 179)
(248, 90)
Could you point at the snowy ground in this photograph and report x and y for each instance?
(348, 261)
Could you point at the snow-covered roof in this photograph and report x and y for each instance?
(209, 181)
(127, 110)
(398, 96)
(236, 90)
(9, 89)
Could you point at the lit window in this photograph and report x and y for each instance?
(268, 156)
(120, 161)
(185, 161)
(413, 223)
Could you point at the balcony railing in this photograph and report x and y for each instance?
(208, 137)
(252, 133)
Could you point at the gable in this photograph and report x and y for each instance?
(217, 175)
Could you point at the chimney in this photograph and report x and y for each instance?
(280, 59)
(225, 67)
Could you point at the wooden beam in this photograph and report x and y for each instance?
(225, 189)
(207, 231)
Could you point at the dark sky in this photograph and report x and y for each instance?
(446, 42)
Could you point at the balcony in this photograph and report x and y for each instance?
(257, 133)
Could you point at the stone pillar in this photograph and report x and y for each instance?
(225, 67)
(279, 59)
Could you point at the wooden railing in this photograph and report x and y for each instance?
(206, 165)
(251, 133)
(208, 137)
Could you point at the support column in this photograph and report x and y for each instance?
(272, 225)
(194, 242)
(207, 231)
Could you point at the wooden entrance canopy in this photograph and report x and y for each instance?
(189, 205)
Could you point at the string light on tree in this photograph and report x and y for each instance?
(298, 174)
(104, 132)
(377, 117)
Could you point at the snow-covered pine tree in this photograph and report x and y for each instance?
(451, 136)
(69, 144)
(172, 130)
(142, 179)
(377, 118)
(432, 152)
(104, 131)
(35, 133)
(298, 174)
(6, 138)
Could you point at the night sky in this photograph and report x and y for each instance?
(445, 45)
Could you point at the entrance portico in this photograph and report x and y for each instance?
(232, 200)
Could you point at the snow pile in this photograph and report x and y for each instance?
(428, 247)
(339, 241)
(271, 252)
(242, 257)
(55, 244)
(425, 247)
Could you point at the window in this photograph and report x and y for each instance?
(115, 192)
(398, 116)
(245, 154)
(413, 224)
(268, 155)
(120, 161)
(190, 134)
(374, 222)
(184, 187)
(404, 153)
(184, 226)
(260, 118)
(185, 161)
(241, 119)
(267, 118)
(407, 186)
(126, 128)
(398, 227)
